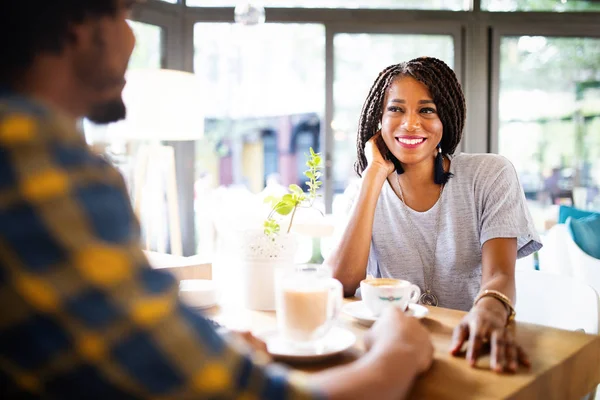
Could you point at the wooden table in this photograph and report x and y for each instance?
(566, 365)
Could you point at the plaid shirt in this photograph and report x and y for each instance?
(82, 315)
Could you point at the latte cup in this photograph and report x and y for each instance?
(379, 293)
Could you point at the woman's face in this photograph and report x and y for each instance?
(410, 125)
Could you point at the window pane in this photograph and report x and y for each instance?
(358, 60)
(265, 90)
(550, 119)
(378, 4)
(540, 5)
(148, 48)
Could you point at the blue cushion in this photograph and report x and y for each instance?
(565, 212)
(586, 233)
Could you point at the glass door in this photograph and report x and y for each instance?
(547, 119)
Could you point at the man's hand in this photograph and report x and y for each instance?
(403, 339)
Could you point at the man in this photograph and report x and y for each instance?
(81, 313)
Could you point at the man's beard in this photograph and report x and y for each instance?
(107, 112)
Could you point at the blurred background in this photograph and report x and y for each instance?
(287, 75)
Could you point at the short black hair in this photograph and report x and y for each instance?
(447, 95)
(28, 27)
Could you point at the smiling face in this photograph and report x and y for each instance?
(410, 125)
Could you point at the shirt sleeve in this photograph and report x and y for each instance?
(504, 212)
(82, 313)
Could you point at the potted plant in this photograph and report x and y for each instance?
(264, 251)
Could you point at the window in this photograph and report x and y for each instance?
(549, 118)
(373, 4)
(540, 5)
(266, 87)
(148, 48)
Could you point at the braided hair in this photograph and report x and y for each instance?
(447, 95)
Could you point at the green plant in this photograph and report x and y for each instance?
(290, 202)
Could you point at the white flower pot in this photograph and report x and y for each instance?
(261, 258)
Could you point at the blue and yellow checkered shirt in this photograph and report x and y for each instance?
(82, 316)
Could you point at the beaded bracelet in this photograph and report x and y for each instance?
(500, 297)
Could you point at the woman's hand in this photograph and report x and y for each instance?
(374, 156)
(484, 329)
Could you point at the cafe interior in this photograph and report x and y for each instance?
(228, 99)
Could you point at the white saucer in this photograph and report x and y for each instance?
(358, 310)
(198, 293)
(337, 340)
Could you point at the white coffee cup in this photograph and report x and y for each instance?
(379, 293)
(308, 302)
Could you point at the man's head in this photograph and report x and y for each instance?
(89, 40)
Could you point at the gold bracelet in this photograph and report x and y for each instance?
(500, 297)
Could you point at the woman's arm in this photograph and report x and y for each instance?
(499, 257)
(349, 259)
(486, 322)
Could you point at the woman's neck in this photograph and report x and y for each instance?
(418, 176)
(416, 185)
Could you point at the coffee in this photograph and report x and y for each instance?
(303, 312)
(387, 282)
(378, 293)
(308, 301)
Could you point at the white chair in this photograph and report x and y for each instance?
(557, 301)
(526, 263)
(554, 256)
(583, 266)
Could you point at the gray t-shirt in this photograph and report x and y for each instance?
(482, 201)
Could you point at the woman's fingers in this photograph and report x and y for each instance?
(523, 357)
(476, 340)
(512, 362)
(498, 353)
(460, 335)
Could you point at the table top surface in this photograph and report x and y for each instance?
(565, 364)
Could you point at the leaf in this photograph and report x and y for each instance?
(290, 200)
(284, 208)
(317, 160)
(312, 152)
(271, 227)
(310, 164)
(272, 200)
(309, 175)
(296, 189)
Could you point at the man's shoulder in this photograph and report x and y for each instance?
(24, 121)
(11, 105)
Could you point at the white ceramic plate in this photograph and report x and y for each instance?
(337, 340)
(359, 311)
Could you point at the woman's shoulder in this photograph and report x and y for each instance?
(487, 164)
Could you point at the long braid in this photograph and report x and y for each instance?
(445, 91)
(372, 112)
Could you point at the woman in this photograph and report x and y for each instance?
(452, 224)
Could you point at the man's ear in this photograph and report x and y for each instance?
(80, 35)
